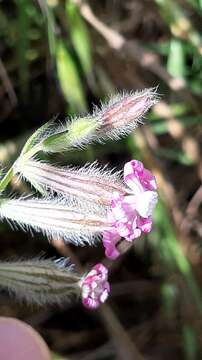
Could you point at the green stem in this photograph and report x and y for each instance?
(30, 153)
(11, 172)
(6, 179)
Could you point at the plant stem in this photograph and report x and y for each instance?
(11, 172)
(6, 179)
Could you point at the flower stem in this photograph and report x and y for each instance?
(6, 179)
(11, 172)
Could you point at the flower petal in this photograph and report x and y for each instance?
(146, 202)
(95, 287)
(110, 239)
(145, 224)
(137, 177)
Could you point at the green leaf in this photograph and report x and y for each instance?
(48, 16)
(23, 26)
(69, 79)
(79, 37)
(169, 295)
(190, 343)
(36, 137)
(176, 59)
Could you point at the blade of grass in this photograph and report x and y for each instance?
(69, 79)
(79, 37)
(50, 21)
(23, 25)
(176, 59)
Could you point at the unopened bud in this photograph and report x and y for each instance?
(125, 112)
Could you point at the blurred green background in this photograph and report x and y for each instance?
(57, 59)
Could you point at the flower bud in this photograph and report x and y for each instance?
(124, 113)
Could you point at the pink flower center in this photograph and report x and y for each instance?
(95, 287)
(130, 214)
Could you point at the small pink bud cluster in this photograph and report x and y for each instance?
(95, 287)
(130, 213)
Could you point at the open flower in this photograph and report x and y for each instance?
(48, 281)
(95, 287)
(85, 204)
(131, 214)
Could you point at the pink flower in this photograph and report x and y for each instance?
(130, 214)
(110, 239)
(95, 287)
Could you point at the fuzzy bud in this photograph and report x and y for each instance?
(117, 117)
(124, 112)
(75, 222)
(91, 182)
(40, 281)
